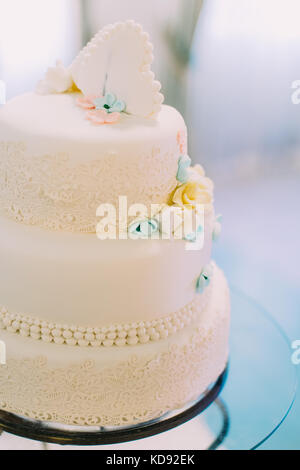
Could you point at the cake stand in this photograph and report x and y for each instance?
(241, 410)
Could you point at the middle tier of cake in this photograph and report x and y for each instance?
(66, 281)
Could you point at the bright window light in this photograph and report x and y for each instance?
(33, 34)
(262, 19)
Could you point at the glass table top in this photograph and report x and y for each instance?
(262, 379)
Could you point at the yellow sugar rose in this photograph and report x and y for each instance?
(197, 174)
(198, 170)
(193, 193)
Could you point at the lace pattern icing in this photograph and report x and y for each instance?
(52, 191)
(138, 389)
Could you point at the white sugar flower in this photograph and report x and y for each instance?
(58, 79)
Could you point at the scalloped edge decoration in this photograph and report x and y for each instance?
(118, 60)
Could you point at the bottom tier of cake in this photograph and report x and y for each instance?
(117, 386)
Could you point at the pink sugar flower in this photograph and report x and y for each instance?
(182, 142)
(102, 117)
(87, 102)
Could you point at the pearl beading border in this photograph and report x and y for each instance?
(129, 334)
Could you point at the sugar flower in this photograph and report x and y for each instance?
(144, 228)
(101, 117)
(184, 163)
(193, 193)
(87, 102)
(58, 79)
(182, 141)
(204, 279)
(217, 228)
(110, 104)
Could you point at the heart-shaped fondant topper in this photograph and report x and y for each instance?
(118, 60)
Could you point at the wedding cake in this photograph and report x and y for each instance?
(111, 310)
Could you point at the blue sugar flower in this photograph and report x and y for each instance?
(184, 163)
(217, 228)
(144, 228)
(193, 236)
(204, 279)
(110, 104)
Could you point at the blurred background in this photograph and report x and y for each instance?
(228, 66)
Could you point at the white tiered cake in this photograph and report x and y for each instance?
(106, 330)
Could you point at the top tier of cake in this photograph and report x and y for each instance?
(94, 132)
(56, 167)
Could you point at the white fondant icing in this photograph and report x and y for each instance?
(111, 335)
(118, 60)
(55, 168)
(76, 279)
